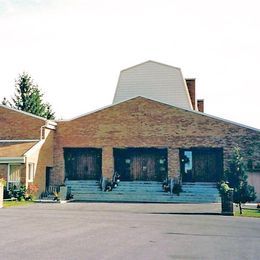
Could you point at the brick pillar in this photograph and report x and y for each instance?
(107, 162)
(23, 174)
(227, 155)
(173, 163)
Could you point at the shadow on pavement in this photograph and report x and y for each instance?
(187, 213)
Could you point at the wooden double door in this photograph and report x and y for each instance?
(83, 163)
(141, 164)
(201, 164)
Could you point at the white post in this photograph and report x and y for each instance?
(1, 194)
(171, 186)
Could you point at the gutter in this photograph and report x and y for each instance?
(12, 159)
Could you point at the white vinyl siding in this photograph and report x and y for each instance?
(155, 81)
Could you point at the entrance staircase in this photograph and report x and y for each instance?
(143, 191)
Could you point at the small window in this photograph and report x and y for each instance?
(14, 176)
(30, 172)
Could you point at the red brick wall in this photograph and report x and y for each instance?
(16, 125)
(3, 171)
(145, 123)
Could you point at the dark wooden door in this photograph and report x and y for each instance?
(142, 164)
(200, 166)
(83, 163)
(144, 167)
(207, 165)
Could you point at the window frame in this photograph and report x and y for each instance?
(31, 175)
(8, 175)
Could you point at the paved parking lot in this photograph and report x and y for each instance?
(126, 231)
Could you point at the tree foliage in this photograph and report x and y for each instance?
(236, 176)
(28, 98)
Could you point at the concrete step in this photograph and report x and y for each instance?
(144, 191)
(152, 195)
(144, 198)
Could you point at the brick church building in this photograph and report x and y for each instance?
(155, 130)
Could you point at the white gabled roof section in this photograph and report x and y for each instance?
(35, 148)
(156, 81)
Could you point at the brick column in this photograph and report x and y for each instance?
(227, 155)
(23, 174)
(107, 162)
(173, 163)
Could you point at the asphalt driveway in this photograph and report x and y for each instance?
(126, 231)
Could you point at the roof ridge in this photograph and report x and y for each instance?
(23, 112)
(192, 111)
(163, 64)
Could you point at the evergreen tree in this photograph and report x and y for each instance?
(5, 102)
(236, 177)
(28, 98)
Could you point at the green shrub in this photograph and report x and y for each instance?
(17, 193)
(223, 189)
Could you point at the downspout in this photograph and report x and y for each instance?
(42, 132)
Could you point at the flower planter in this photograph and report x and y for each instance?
(227, 207)
(63, 193)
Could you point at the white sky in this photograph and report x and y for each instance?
(74, 50)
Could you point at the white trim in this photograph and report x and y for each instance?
(34, 148)
(51, 127)
(163, 64)
(51, 122)
(93, 111)
(12, 160)
(19, 141)
(33, 172)
(192, 111)
(100, 109)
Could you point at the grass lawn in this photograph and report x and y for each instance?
(255, 213)
(8, 204)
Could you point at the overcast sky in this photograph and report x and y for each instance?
(74, 50)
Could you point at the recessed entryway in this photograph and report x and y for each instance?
(83, 163)
(201, 164)
(141, 164)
